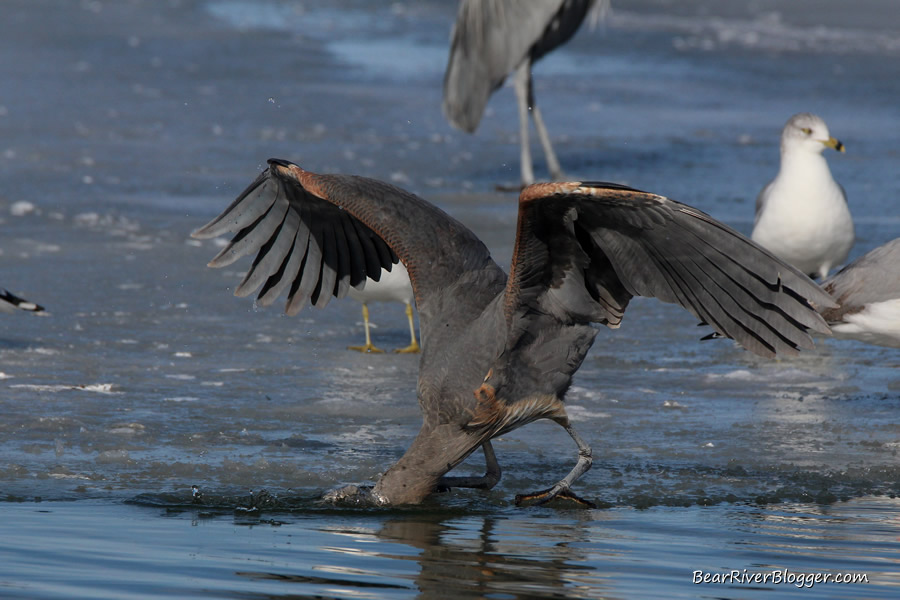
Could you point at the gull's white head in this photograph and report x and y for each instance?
(806, 131)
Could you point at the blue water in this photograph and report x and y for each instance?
(127, 125)
(71, 551)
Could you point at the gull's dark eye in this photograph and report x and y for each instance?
(806, 130)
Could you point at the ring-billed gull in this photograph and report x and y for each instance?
(499, 351)
(802, 215)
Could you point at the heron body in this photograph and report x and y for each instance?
(499, 351)
(495, 38)
(868, 295)
(9, 302)
(802, 215)
(391, 286)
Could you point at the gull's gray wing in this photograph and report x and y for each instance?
(761, 201)
(873, 277)
(584, 249)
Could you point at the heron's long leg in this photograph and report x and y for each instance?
(485, 482)
(368, 347)
(413, 344)
(562, 489)
(522, 85)
(552, 162)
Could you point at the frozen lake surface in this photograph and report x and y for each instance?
(126, 125)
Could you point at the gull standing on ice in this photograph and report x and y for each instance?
(393, 286)
(802, 215)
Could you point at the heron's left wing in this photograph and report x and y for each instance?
(584, 249)
(315, 236)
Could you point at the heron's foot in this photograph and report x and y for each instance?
(411, 349)
(557, 493)
(368, 348)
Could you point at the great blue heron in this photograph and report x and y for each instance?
(868, 296)
(500, 351)
(10, 302)
(392, 286)
(802, 215)
(493, 38)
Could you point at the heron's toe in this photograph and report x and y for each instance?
(559, 496)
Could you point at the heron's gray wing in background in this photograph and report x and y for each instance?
(584, 249)
(317, 235)
(873, 277)
(9, 302)
(489, 40)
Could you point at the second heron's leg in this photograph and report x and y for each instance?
(368, 347)
(562, 489)
(485, 482)
(552, 162)
(522, 84)
(413, 344)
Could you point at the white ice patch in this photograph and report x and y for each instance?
(21, 208)
(97, 388)
(674, 404)
(580, 413)
(126, 428)
(737, 375)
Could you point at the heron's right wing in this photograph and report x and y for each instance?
(315, 236)
(489, 40)
(584, 249)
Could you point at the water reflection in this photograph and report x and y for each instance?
(452, 556)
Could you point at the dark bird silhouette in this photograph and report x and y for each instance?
(498, 351)
(493, 38)
(10, 302)
(868, 295)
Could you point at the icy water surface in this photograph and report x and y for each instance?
(128, 124)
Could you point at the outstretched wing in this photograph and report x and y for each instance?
(584, 249)
(315, 236)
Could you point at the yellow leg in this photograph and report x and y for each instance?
(368, 347)
(413, 344)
